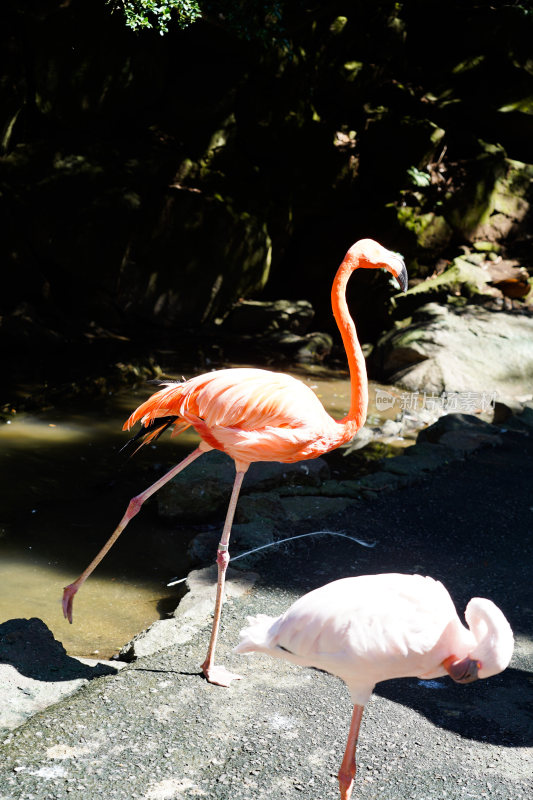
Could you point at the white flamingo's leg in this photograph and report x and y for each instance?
(347, 769)
(217, 674)
(134, 507)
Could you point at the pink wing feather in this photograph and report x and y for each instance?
(252, 414)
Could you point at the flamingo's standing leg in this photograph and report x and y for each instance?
(217, 674)
(134, 507)
(347, 769)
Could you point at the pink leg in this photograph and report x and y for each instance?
(133, 508)
(347, 770)
(220, 675)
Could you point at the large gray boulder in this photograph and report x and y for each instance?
(466, 350)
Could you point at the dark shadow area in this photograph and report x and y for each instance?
(171, 672)
(495, 710)
(467, 525)
(30, 647)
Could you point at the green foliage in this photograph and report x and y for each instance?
(158, 13)
(418, 178)
(258, 20)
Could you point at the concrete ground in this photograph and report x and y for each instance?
(156, 729)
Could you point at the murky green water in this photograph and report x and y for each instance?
(64, 488)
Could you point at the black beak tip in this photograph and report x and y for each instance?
(402, 278)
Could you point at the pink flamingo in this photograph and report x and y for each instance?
(376, 627)
(254, 415)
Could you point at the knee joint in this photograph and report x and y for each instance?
(222, 555)
(134, 506)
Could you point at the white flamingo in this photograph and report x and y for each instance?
(376, 627)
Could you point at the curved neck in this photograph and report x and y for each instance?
(493, 636)
(356, 361)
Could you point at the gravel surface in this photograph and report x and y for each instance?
(157, 730)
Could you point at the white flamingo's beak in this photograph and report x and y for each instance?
(464, 670)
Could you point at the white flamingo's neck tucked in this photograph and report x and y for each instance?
(493, 636)
(356, 416)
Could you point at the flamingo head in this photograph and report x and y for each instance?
(493, 635)
(464, 670)
(370, 255)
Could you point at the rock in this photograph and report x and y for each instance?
(475, 355)
(266, 475)
(363, 436)
(463, 278)
(526, 416)
(521, 421)
(192, 612)
(36, 672)
(202, 584)
(313, 508)
(161, 634)
(341, 488)
(255, 316)
(449, 439)
(487, 208)
(496, 198)
(469, 441)
(244, 536)
(462, 432)
(421, 457)
(492, 248)
(203, 491)
(377, 482)
(262, 506)
(276, 326)
(502, 412)
(313, 348)
(414, 419)
(431, 231)
(457, 423)
(391, 429)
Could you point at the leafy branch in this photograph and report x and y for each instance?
(157, 14)
(258, 20)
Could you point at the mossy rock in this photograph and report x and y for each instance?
(497, 198)
(462, 278)
(494, 201)
(431, 231)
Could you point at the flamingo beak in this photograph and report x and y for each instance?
(463, 671)
(399, 271)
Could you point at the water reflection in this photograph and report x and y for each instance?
(66, 485)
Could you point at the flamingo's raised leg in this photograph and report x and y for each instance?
(134, 507)
(217, 674)
(347, 769)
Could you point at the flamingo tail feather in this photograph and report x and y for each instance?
(149, 432)
(257, 635)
